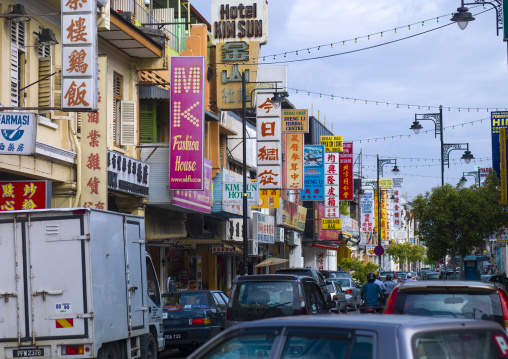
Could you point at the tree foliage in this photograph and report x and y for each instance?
(454, 220)
(402, 252)
(358, 269)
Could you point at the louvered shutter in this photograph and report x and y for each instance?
(127, 123)
(57, 87)
(46, 85)
(147, 123)
(14, 76)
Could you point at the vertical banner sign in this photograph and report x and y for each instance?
(502, 164)
(368, 217)
(18, 131)
(295, 121)
(313, 173)
(498, 120)
(94, 152)
(187, 125)
(396, 209)
(79, 55)
(382, 211)
(505, 20)
(294, 161)
(269, 154)
(346, 172)
(331, 185)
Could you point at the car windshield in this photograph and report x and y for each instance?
(433, 276)
(176, 301)
(458, 345)
(451, 304)
(338, 275)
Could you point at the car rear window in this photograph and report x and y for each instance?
(342, 282)
(459, 345)
(185, 301)
(338, 275)
(474, 305)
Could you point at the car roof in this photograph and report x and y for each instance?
(379, 322)
(451, 284)
(271, 277)
(193, 291)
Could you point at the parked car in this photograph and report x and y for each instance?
(309, 272)
(458, 299)
(351, 291)
(335, 274)
(359, 337)
(193, 317)
(274, 295)
(402, 276)
(338, 296)
(499, 281)
(412, 275)
(382, 276)
(432, 276)
(424, 272)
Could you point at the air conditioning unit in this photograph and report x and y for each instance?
(292, 238)
(253, 249)
(279, 235)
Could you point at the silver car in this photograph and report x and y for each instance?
(350, 289)
(338, 296)
(359, 337)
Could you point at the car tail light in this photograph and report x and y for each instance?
(73, 350)
(303, 310)
(335, 297)
(395, 276)
(390, 306)
(197, 321)
(349, 291)
(229, 314)
(504, 305)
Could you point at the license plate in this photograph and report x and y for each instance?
(28, 353)
(173, 336)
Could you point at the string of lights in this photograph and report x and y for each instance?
(423, 159)
(421, 176)
(436, 165)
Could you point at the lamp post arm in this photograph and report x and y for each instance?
(497, 5)
(448, 147)
(434, 117)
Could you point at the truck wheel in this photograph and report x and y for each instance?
(109, 351)
(148, 347)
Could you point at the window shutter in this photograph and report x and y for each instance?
(14, 77)
(57, 87)
(45, 86)
(147, 123)
(127, 123)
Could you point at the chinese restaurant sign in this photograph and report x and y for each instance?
(126, 174)
(332, 143)
(18, 131)
(200, 201)
(269, 198)
(295, 121)
(25, 195)
(396, 209)
(187, 123)
(346, 172)
(332, 185)
(294, 161)
(314, 168)
(94, 166)
(232, 193)
(269, 154)
(79, 55)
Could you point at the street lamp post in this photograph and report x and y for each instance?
(475, 174)
(446, 148)
(462, 17)
(380, 163)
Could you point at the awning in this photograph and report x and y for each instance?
(188, 242)
(271, 262)
(153, 92)
(325, 246)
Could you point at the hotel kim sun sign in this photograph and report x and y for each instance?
(186, 156)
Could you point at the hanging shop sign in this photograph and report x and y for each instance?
(498, 120)
(502, 166)
(383, 214)
(238, 20)
(332, 185)
(331, 223)
(295, 121)
(385, 183)
(291, 215)
(332, 143)
(25, 195)
(397, 182)
(79, 55)
(397, 210)
(294, 161)
(232, 193)
(484, 172)
(200, 201)
(18, 131)
(368, 217)
(219, 249)
(323, 234)
(187, 125)
(268, 198)
(263, 228)
(126, 174)
(314, 167)
(346, 188)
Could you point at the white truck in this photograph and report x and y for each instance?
(77, 283)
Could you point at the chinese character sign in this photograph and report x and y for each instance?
(25, 195)
(127, 174)
(346, 172)
(396, 209)
(264, 228)
(295, 121)
(186, 156)
(79, 55)
(294, 161)
(18, 132)
(313, 178)
(368, 217)
(383, 214)
(332, 143)
(269, 198)
(94, 165)
(331, 185)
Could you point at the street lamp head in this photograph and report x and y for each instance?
(416, 127)
(277, 98)
(395, 169)
(467, 156)
(462, 17)
(392, 197)
(463, 180)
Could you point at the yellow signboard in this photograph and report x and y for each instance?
(331, 223)
(295, 121)
(385, 183)
(332, 143)
(502, 165)
(269, 198)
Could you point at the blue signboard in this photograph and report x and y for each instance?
(313, 173)
(17, 133)
(497, 120)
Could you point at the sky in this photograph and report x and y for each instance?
(455, 68)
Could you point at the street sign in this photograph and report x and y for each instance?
(379, 250)
(331, 223)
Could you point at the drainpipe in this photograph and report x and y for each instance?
(78, 165)
(179, 26)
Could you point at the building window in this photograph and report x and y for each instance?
(117, 100)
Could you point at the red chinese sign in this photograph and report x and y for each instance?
(25, 195)
(346, 172)
(294, 161)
